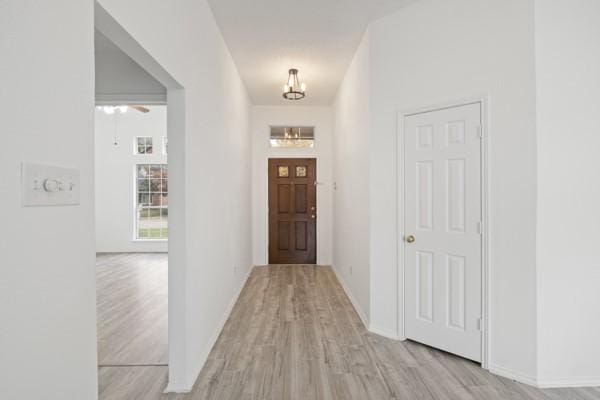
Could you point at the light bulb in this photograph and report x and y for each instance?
(303, 87)
(286, 88)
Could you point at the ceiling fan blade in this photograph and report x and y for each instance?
(140, 109)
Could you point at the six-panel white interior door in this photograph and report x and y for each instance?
(442, 229)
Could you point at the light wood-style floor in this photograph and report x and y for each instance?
(294, 334)
(132, 325)
(132, 306)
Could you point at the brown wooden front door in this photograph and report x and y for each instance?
(292, 211)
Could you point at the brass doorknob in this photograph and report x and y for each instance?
(313, 216)
(410, 239)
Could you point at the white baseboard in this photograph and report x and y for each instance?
(371, 328)
(545, 383)
(513, 375)
(359, 311)
(385, 333)
(177, 387)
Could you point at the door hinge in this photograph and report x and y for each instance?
(480, 131)
(479, 324)
(480, 228)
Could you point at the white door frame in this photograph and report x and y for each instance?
(176, 128)
(483, 100)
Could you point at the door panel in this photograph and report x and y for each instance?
(292, 211)
(425, 285)
(301, 198)
(301, 235)
(443, 214)
(283, 198)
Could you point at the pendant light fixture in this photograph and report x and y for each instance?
(294, 89)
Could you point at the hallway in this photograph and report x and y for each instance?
(294, 334)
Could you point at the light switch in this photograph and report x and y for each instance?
(44, 185)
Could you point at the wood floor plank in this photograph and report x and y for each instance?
(131, 383)
(132, 308)
(294, 335)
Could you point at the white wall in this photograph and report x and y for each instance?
(214, 169)
(120, 79)
(351, 176)
(47, 269)
(568, 117)
(114, 172)
(321, 119)
(435, 52)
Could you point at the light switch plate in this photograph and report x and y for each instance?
(44, 185)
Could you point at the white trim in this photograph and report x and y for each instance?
(484, 102)
(137, 99)
(359, 311)
(485, 233)
(134, 195)
(179, 387)
(370, 327)
(515, 376)
(542, 383)
(384, 332)
(400, 270)
(568, 382)
(176, 128)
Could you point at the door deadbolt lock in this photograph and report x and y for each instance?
(410, 239)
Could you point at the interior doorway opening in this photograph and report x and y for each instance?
(132, 211)
(149, 268)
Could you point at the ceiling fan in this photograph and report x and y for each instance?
(140, 108)
(123, 109)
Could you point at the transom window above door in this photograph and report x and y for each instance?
(294, 137)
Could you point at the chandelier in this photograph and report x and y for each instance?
(294, 89)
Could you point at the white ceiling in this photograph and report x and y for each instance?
(319, 37)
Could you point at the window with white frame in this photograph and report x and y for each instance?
(152, 202)
(298, 136)
(143, 145)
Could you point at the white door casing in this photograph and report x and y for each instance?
(443, 213)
